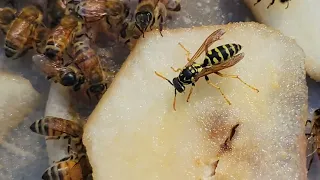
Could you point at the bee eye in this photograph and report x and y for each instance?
(69, 79)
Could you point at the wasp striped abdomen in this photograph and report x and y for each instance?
(221, 54)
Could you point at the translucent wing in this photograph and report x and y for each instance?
(215, 68)
(206, 44)
(92, 9)
(45, 65)
(66, 126)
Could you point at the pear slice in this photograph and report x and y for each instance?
(17, 99)
(135, 134)
(297, 21)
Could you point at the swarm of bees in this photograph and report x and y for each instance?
(65, 48)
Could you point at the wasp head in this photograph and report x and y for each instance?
(143, 20)
(178, 85)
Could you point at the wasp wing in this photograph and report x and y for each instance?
(215, 68)
(206, 44)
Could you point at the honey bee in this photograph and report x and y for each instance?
(117, 17)
(20, 34)
(7, 15)
(273, 1)
(69, 168)
(315, 134)
(58, 128)
(145, 16)
(86, 59)
(61, 37)
(216, 59)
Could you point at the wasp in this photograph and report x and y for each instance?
(273, 1)
(217, 59)
(315, 133)
(58, 128)
(145, 16)
(86, 59)
(20, 29)
(75, 167)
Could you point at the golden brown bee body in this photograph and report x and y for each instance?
(7, 15)
(56, 11)
(86, 59)
(70, 168)
(20, 35)
(315, 134)
(61, 37)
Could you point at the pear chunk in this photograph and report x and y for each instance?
(135, 134)
(297, 22)
(17, 99)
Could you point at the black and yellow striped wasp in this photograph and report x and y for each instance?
(216, 59)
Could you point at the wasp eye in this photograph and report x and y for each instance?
(69, 79)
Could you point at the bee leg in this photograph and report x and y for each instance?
(236, 77)
(52, 137)
(176, 70)
(272, 2)
(190, 92)
(69, 145)
(287, 5)
(256, 2)
(160, 24)
(187, 51)
(308, 121)
(217, 87)
(309, 166)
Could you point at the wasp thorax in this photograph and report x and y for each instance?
(178, 85)
(143, 19)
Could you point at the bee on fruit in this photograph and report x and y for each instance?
(216, 59)
(314, 134)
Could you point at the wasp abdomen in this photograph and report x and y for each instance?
(220, 54)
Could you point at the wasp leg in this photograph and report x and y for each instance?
(176, 70)
(256, 2)
(217, 87)
(187, 51)
(174, 99)
(237, 77)
(190, 92)
(272, 2)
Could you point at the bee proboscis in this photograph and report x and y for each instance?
(217, 59)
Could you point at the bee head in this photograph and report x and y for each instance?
(178, 85)
(68, 78)
(143, 19)
(316, 115)
(7, 15)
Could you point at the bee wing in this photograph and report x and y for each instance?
(92, 9)
(45, 65)
(215, 68)
(66, 126)
(206, 44)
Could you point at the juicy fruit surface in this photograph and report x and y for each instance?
(134, 133)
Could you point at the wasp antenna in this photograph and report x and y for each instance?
(158, 74)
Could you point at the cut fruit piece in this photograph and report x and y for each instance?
(134, 133)
(297, 21)
(18, 99)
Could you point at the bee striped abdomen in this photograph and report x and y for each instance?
(59, 171)
(220, 54)
(10, 49)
